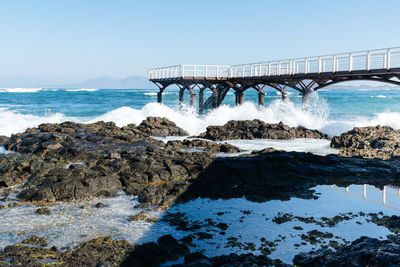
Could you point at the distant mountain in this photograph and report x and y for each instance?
(134, 82)
(104, 82)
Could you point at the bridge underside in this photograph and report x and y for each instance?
(303, 83)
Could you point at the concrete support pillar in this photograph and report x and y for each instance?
(305, 97)
(284, 96)
(239, 98)
(181, 94)
(215, 98)
(261, 98)
(236, 98)
(201, 100)
(192, 100)
(159, 97)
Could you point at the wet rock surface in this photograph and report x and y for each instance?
(90, 253)
(257, 129)
(369, 142)
(364, 251)
(3, 139)
(271, 174)
(70, 161)
(103, 158)
(208, 146)
(105, 251)
(157, 126)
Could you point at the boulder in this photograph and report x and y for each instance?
(369, 142)
(208, 146)
(257, 129)
(364, 251)
(157, 126)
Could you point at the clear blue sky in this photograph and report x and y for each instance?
(77, 39)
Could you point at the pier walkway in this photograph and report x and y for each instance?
(302, 74)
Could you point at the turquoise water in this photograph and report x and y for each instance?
(332, 111)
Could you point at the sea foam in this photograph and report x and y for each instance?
(186, 117)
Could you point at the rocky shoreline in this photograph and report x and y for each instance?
(74, 161)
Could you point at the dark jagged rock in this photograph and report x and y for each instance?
(157, 126)
(70, 184)
(364, 251)
(90, 253)
(3, 139)
(77, 141)
(369, 142)
(257, 129)
(43, 211)
(271, 174)
(114, 158)
(198, 259)
(35, 240)
(208, 146)
(166, 249)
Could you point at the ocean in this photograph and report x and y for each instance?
(332, 111)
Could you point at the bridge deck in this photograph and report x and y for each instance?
(302, 74)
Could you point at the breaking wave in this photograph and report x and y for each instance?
(289, 113)
(20, 90)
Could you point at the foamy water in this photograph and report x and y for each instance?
(69, 223)
(289, 113)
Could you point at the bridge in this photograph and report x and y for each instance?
(305, 75)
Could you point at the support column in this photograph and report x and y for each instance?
(201, 100)
(159, 97)
(284, 96)
(239, 98)
(215, 98)
(192, 100)
(236, 98)
(261, 98)
(181, 94)
(305, 97)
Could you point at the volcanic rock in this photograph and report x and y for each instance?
(257, 129)
(369, 142)
(364, 251)
(208, 146)
(271, 174)
(157, 126)
(3, 139)
(43, 211)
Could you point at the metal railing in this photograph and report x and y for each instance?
(181, 71)
(368, 60)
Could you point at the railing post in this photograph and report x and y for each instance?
(217, 72)
(194, 71)
(367, 61)
(269, 69)
(351, 62)
(335, 63)
(206, 71)
(279, 68)
(259, 69)
(319, 65)
(388, 59)
(183, 71)
(243, 71)
(306, 67)
(251, 70)
(291, 71)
